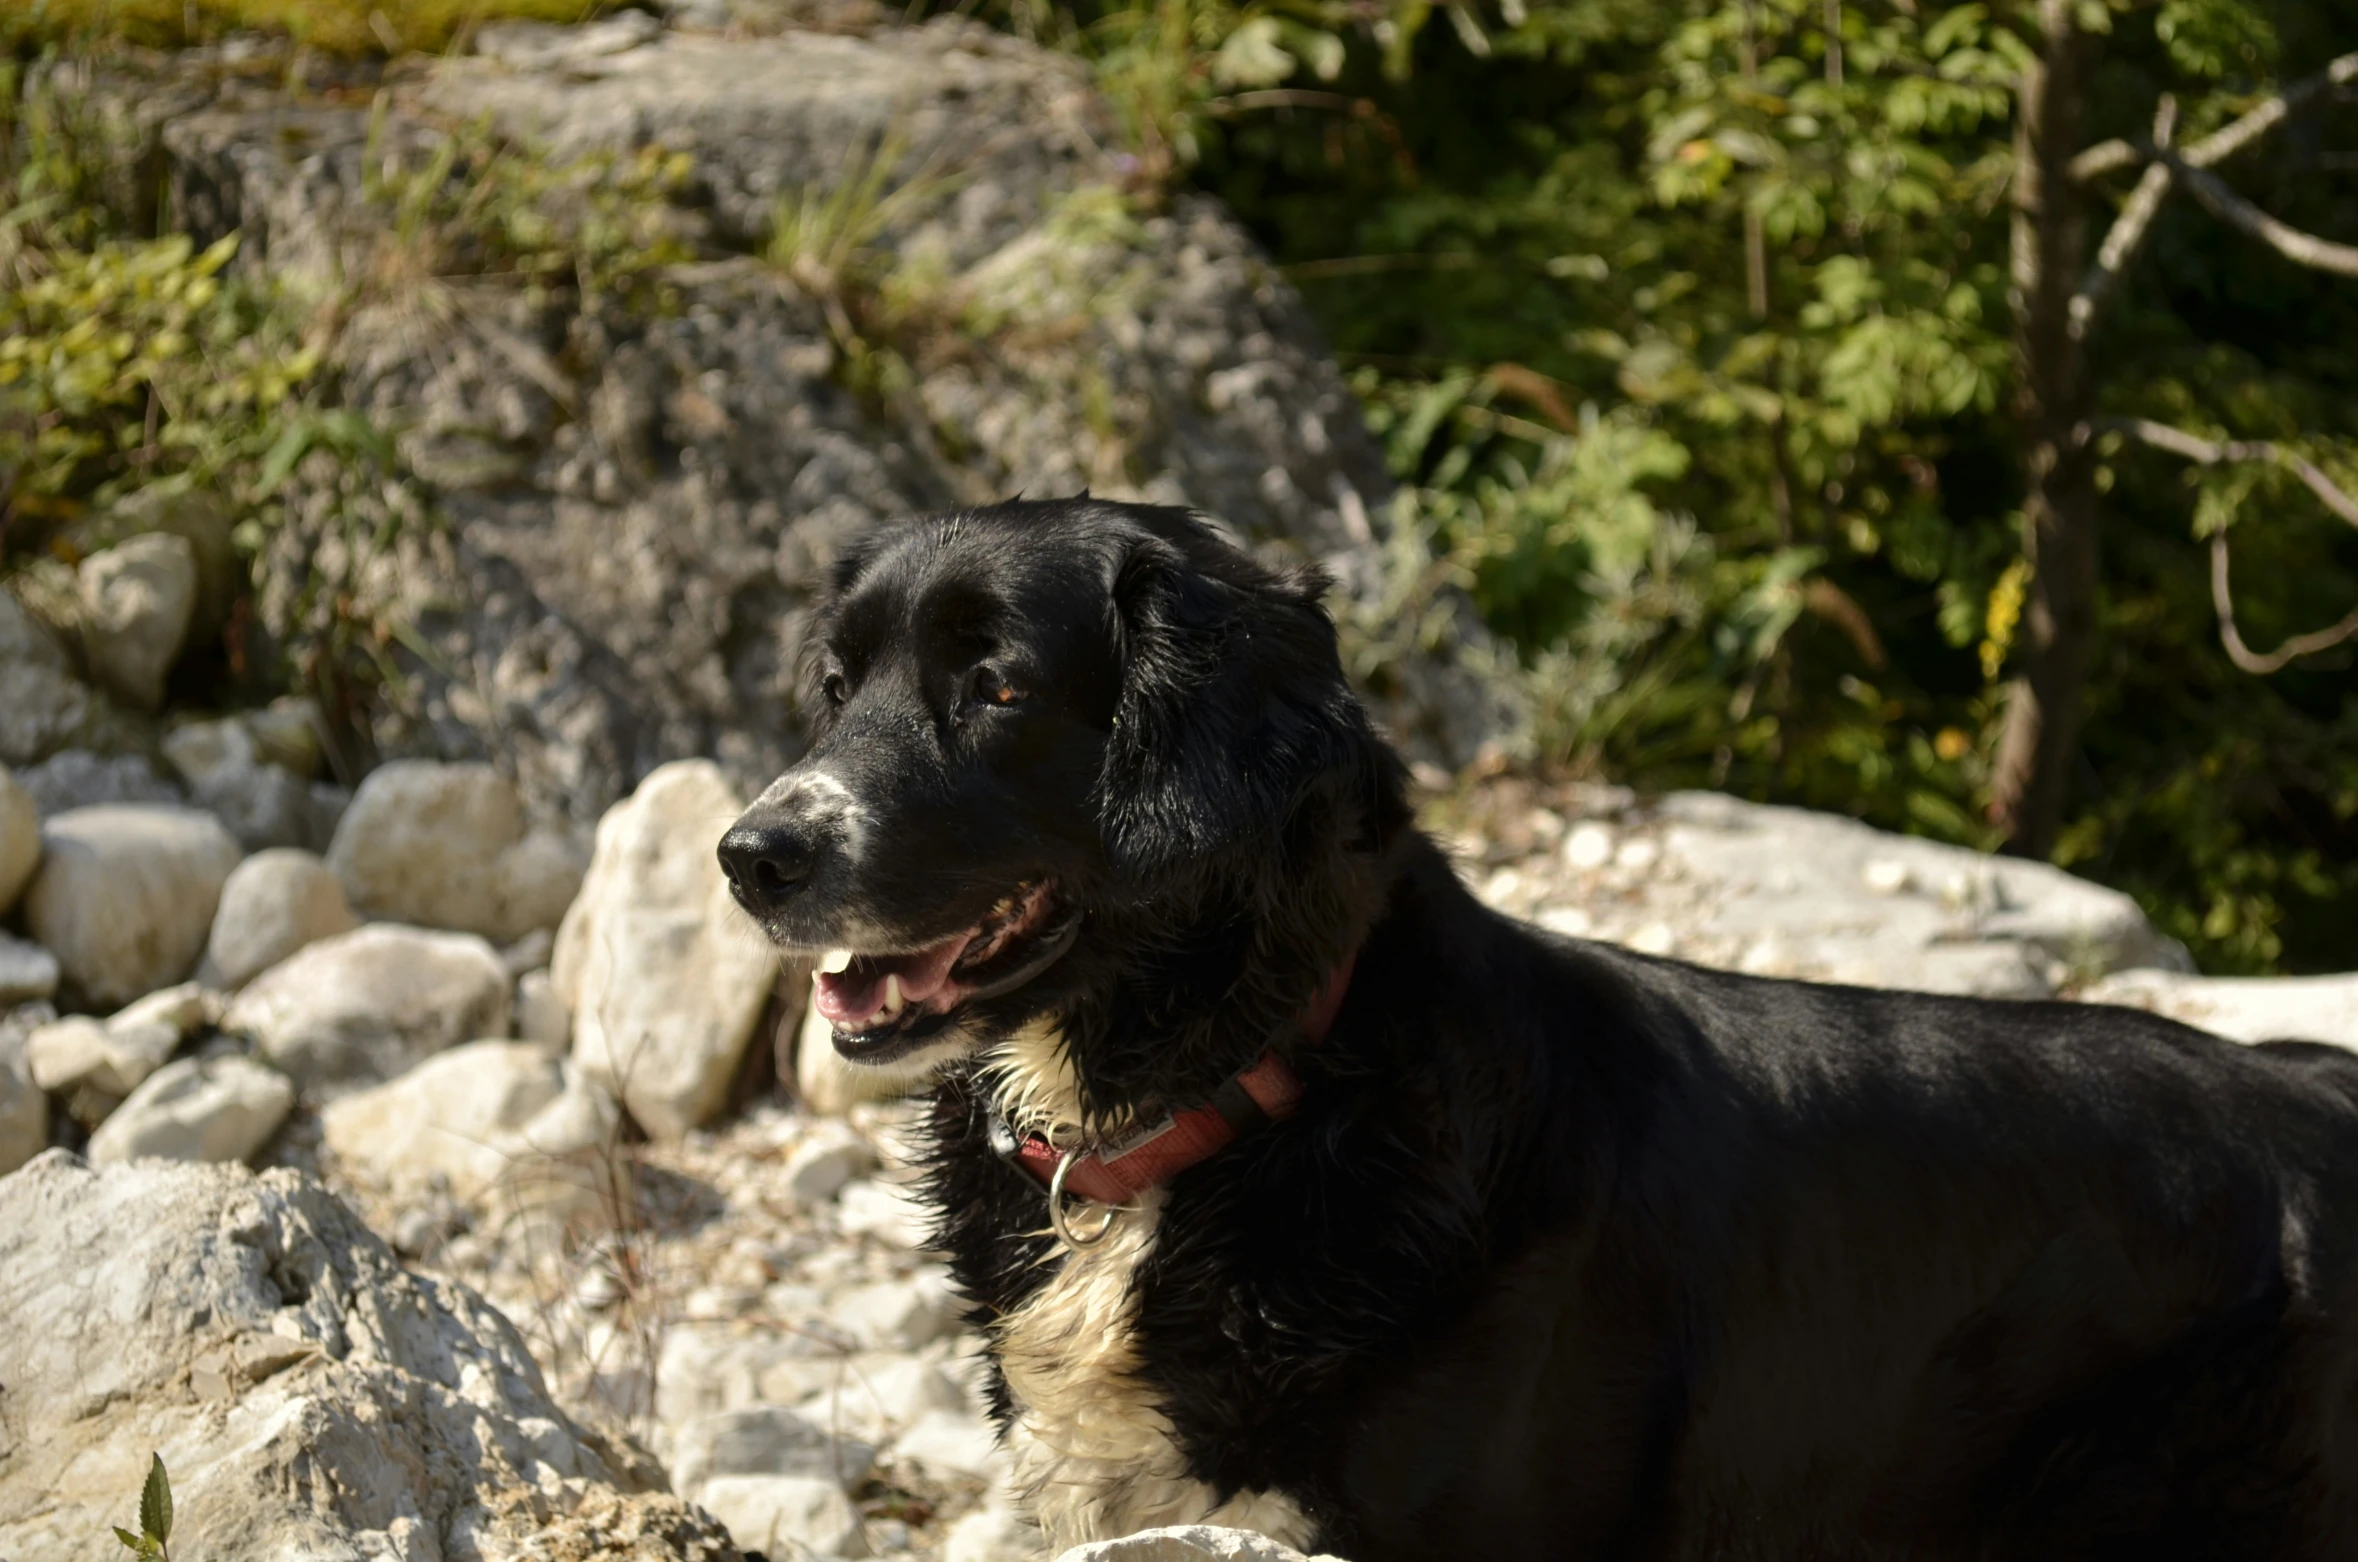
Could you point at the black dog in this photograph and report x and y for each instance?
(1394, 1227)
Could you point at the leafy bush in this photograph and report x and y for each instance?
(1757, 271)
(347, 27)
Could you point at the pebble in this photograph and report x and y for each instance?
(955, 1442)
(212, 1109)
(885, 1212)
(764, 1440)
(1588, 847)
(767, 1512)
(897, 1314)
(992, 1535)
(822, 1164)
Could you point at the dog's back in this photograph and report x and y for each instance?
(1801, 1271)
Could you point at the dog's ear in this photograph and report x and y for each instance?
(1233, 708)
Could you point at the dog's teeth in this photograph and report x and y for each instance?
(892, 995)
(836, 961)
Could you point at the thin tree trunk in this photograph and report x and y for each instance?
(2059, 507)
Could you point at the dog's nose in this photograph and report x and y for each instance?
(766, 863)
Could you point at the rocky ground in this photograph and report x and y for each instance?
(536, 1256)
(551, 1078)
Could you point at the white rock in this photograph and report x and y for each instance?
(224, 764)
(2271, 1008)
(1886, 877)
(701, 1369)
(24, 1107)
(27, 971)
(952, 1442)
(274, 903)
(767, 1513)
(450, 1118)
(448, 846)
(208, 1109)
(764, 1440)
(885, 1212)
(878, 1397)
(992, 1535)
(369, 1004)
(114, 1055)
(1588, 847)
(1655, 938)
(126, 893)
(137, 599)
(1637, 856)
(825, 1161)
(1570, 921)
(664, 976)
(499, 1125)
(1816, 884)
(20, 840)
(1189, 1543)
(311, 1398)
(897, 1314)
(542, 1017)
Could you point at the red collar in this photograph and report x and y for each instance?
(1267, 1092)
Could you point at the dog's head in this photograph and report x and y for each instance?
(1070, 757)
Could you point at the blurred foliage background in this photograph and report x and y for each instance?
(1687, 323)
(1691, 327)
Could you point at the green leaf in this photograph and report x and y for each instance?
(131, 1542)
(155, 1502)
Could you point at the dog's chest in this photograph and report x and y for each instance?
(1094, 1452)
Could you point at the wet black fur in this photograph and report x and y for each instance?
(1572, 1253)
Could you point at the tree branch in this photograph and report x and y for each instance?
(2109, 156)
(2302, 249)
(2127, 233)
(2206, 452)
(2231, 638)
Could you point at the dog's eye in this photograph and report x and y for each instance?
(835, 689)
(993, 687)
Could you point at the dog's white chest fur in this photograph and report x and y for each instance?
(1093, 1452)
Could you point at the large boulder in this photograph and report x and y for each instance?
(274, 903)
(642, 503)
(126, 894)
(371, 1004)
(2270, 1008)
(310, 1398)
(1785, 892)
(138, 599)
(665, 980)
(448, 846)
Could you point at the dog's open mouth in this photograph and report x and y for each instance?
(879, 1002)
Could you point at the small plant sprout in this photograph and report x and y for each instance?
(155, 1515)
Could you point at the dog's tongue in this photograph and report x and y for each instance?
(850, 998)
